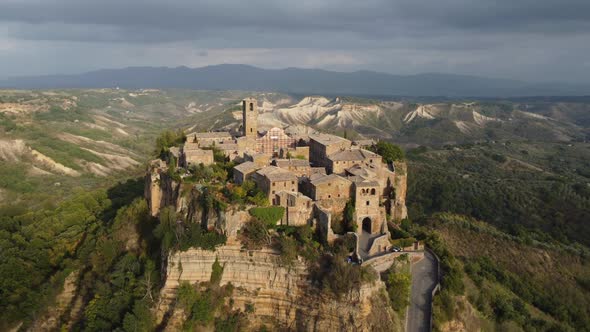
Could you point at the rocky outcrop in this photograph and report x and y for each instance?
(283, 295)
(160, 189)
(400, 184)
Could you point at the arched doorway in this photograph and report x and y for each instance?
(367, 225)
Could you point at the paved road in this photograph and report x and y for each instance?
(423, 282)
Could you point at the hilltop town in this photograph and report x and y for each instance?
(314, 177)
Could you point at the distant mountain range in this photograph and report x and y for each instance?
(297, 81)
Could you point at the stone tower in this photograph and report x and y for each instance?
(249, 117)
(367, 209)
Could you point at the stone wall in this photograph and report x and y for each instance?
(324, 224)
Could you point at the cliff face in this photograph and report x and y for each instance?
(400, 210)
(283, 295)
(160, 190)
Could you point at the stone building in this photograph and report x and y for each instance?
(323, 145)
(208, 139)
(260, 159)
(298, 167)
(231, 150)
(341, 160)
(244, 171)
(298, 208)
(192, 154)
(363, 143)
(272, 180)
(325, 187)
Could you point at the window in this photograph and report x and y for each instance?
(274, 192)
(274, 184)
(251, 106)
(250, 129)
(368, 203)
(292, 182)
(329, 196)
(373, 191)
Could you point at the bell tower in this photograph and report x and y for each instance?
(249, 117)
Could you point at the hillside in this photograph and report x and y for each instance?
(437, 123)
(297, 81)
(53, 141)
(538, 190)
(503, 282)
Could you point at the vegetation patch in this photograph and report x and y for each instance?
(389, 151)
(269, 215)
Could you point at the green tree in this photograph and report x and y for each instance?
(398, 287)
(140, 320)
(389, 151)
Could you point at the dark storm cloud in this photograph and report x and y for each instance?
(527, 39)
(147, 21)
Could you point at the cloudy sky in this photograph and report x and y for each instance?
(533, 40)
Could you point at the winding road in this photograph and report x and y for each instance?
(424, 279)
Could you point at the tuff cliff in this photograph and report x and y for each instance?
(400, 211)
(283, 296)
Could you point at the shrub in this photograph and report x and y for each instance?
(389, 151)
(255, 234)
(259, 198)
(168, 139)
(196, 237)
(398, 287)
(337, 277)
(402, 243)
(268, 215)
(287, 248)
(216, 272)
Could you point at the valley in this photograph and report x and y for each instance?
(500, 189)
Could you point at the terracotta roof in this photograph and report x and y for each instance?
(352, 155)
(227, 146)
(361, 171)
(190, 146)
(316, 180)
(318, 170)
(295, 194)
(197, 152)
(360, 182)
(211, 134)
(291, 162)
(326, 139)
(247, 167)
(274, 173)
